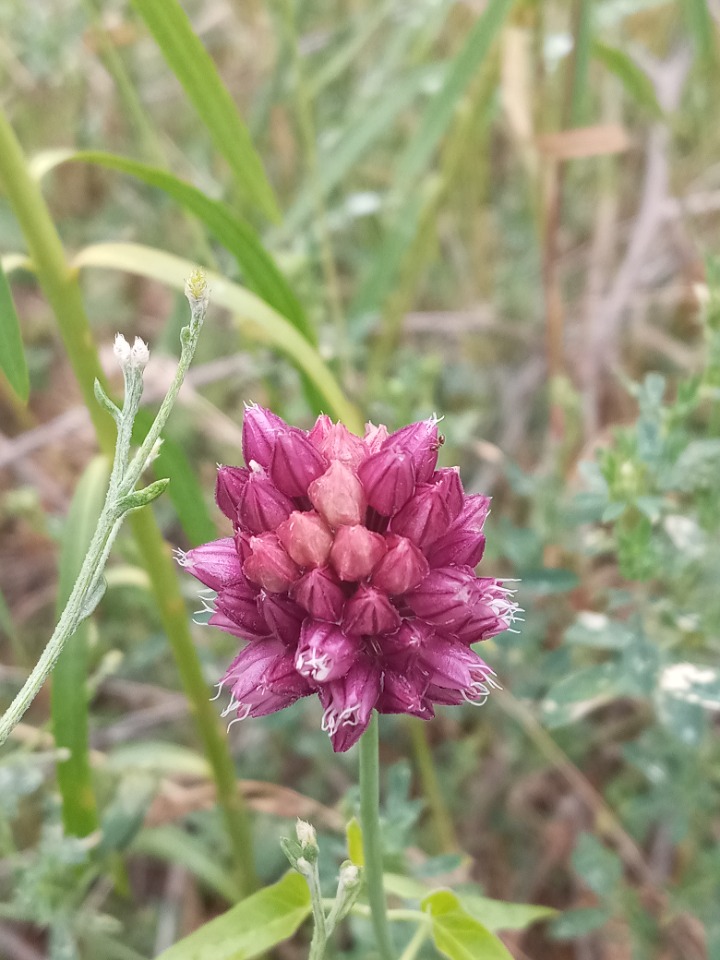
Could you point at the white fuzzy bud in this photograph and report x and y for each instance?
(197, 291)
(121, 349)
(139, 355)
(305, 833)
(349, 875)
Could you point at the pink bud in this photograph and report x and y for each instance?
(425, 516)
(349, 703)
(448, 481)
(338, 443)
(324, 652)
(402, 568)
(338, 495)
(320, 430)
(242, 544)
(283, 616)
(369, 612)
(229, 483)
(356, 551)
(268, 565)
(491, 611)
(452, 666)
(375, 437)
(238, 605)
(263, 679)
(388, 478)
(458, 547)
(259, 434)
(420, 441)
(295, 463)
(320, 593)
(400, 649)
(444, 596)
(262, 506)
(474, 512)
(216, 564)
(306, 537)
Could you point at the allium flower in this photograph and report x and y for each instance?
(350, 574)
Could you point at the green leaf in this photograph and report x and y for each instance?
(441, 109)
(353, 833)
(196, 71)
(259, 270)
(599, 867)
(457, 934)
(500, 915)
(69, 699)
(636, 82)
(546, 581)
(597, 630)
(578, 923)
(161, 758)
(253, 926)
(174, 845)
(255, 318)
(12, 354)
(581, 692)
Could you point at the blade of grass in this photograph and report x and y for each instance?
(254, 317)
(637, 83)
(62, 290)
(258, 268)
(69, 696)
(582, 47)
(12, 353)
(438, 116)
(196, 71)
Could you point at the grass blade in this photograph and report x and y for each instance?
(439, 114)
(636, 82)
(255, 318)
(259, 270)
(12, 354)
(196, 71)
(69, 700)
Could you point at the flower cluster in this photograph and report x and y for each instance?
(350, 574)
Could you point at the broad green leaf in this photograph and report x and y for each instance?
(185, 491)
(500, 915)
(174, 845)
(597, 630)
(253, 926)
(580, 693)
(441, 109)
(406, 887)
(12, 354)
(599, 867)
(692, 683)
(255, 318)
(69, 699)
(458, 935)
(636, 82)
(194, 68)
(260, 273)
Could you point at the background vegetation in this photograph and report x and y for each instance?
(503, 212)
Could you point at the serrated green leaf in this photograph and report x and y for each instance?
(501, 915)
(12, 353)
(198, 75)
(253, 926)
(255, 318)
(458, 935)
(259, 270)
(636, 82)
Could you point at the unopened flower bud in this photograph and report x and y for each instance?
(337, 443)
(402, 568)
(269, 565)
(197, 291)
(420, 441)
(259, 434)
(140, 354)
(122, 350)
(305, 832)
(369, 613)
(229, 484)
(425, 516)
(338, 496)
(261, 506)
(356, 552)
(216, 564)
(388, 478)
(295, 463)
(306, 537)
(375, 437)
(325, 652)
(320, 593)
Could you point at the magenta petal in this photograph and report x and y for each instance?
(295, 463)
(349, 702)
(425, 516)
(369, 612)
(375, 437)
(449, 483)
(444, 596)
(404, 693)
(338, 443)
(388, 478)
(457, 548)
(261, 505)
(356, 552)
(283, 616)
(260, 430)
(402, 568)
(319, 592)
(238, 603)
(325, 652)
(421, 442)
(228, 486)
(268, 565)
(216, 564)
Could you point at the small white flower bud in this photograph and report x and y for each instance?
(197, 291)
(139, 355)
(349, 875)
(305, 833)
(303, 866)
(121, 349)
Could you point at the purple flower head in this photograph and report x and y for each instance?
(350, 573)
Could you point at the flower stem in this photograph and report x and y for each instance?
(372, 841)
(62, 290)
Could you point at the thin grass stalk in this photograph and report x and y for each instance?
(61, 288)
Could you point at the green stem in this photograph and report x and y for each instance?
(61, 288)
(318, 944)
(442, 821)
(415, 945)
(372, 840)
